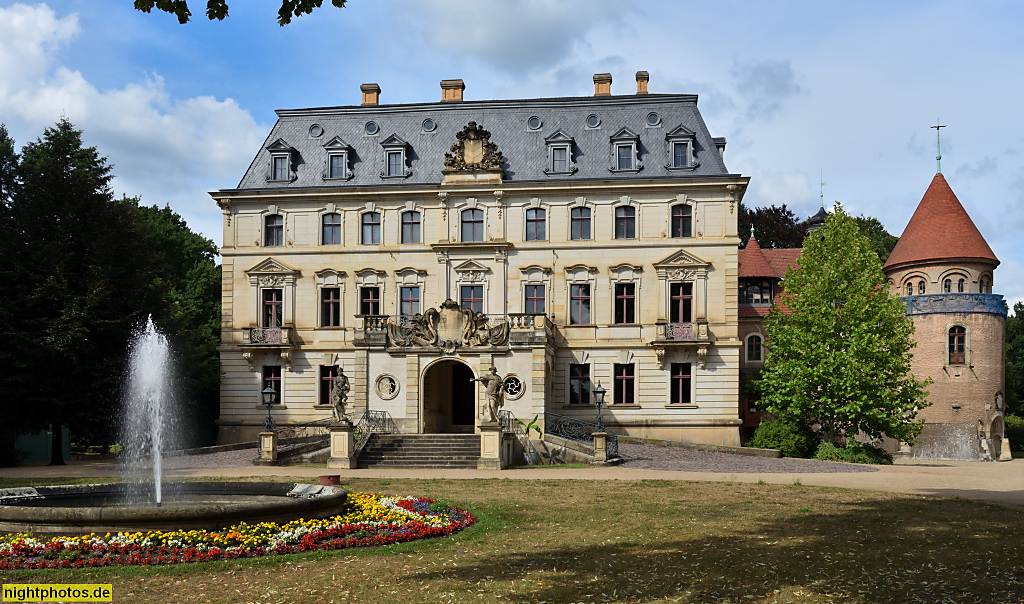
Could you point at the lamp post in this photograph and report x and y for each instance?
(269, 398)
(599, 401)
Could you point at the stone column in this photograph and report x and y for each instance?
(342, 445)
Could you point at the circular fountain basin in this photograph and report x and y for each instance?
(102, 508)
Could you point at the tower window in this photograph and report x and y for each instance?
(957, 345)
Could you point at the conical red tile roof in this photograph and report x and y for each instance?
(753, 263)
(940, 229)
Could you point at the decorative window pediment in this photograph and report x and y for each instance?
(559, 148)
(338, 166)
(395, 163)
(679, 145)
(681, 265)
(580, 272)
(625, 151)
(625, 272)
(282, 161)
(272, 272)
(471, 271)
(330, 277)
(535, 273)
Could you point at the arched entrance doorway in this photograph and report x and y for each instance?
(449, 398)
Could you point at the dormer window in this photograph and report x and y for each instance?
(679, 144)
(625, 151)
(337, 160)
(395, 165)
(281, 158)
(559, 146)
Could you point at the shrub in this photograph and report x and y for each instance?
(853, 453)
(1015, 432)
(792, 438)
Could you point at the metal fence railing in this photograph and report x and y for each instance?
(580, 431)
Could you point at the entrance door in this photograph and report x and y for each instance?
(449, 398)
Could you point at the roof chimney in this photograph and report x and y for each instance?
(602, 84)
(642, 77)
(371, 94)
(451, 90)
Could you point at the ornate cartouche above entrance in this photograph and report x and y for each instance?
(473, 158)
(448, 328)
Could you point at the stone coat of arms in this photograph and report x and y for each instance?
(449, 328)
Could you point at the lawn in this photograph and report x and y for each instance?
(622, 541)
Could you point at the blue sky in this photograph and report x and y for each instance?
(849, 89)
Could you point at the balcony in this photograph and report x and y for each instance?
(955, 304)
(267, 339)
(683, 332)
(517, 330)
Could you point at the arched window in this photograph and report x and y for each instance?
(273, 231)
(411, 227)
(625, 222)
(920, 287)
(957, 345)
(682, 221)
(473, 225)
(371, 228)
(331, 234)
(986, 285)
(535, 218)
(580, 224)
(910, 288)
(960, 286)
(754, 348)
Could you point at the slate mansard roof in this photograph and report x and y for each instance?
(524, 150)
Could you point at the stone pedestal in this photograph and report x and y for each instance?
(600, 446)
(490, 446)
(342, 445)
(268, 446)
(1005, 454)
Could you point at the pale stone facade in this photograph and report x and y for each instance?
(342, 254)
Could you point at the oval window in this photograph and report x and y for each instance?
(316, 131)
(372, 128)
(429, 125)
(653, 119)
(533, 123)
(593, 121)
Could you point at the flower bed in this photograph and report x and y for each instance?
(371, 519)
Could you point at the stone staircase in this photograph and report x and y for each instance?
(421, 451)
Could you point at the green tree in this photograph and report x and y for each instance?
(218, 9)
(1015, 359)
(774, 227)
(83, 281)
(839, 354)
(881, 241)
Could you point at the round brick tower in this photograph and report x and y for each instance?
(943, 269)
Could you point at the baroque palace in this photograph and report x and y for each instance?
(567, 242)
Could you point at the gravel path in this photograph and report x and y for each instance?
(652, 457)
(226, 459)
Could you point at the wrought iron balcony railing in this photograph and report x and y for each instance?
(266, 336)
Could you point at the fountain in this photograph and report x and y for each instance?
(147, 432)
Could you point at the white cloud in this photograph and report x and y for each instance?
(766, 85)
(166, 150)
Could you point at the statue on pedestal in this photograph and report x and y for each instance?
(493, 382)
(339, 396)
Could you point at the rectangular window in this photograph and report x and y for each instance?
(681, 307)
(271, 378)
(371, 228)
(273, 308)
(580, 227)
(681, 379)
(330, 307)
(472, 297)
(625, 303)
(411, 227)
(624, 382)
(281, 167)
(559, 159)
(369, 300)
(579, 384)
(682, 221)
(680, 155)
(273, 231)
(327, 375)
(472, 225)
(535, 225)
(395, 164)
(337, 161)
(332, 229)
(410, 303)
(625, 223)
(534, 299)
(624, 153)
(579, 304)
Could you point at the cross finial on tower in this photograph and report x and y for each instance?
(821, 185)
(938, 147)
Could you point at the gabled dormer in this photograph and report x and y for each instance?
(559, 148)
(282, 162)
(395, 160)
(338, 165)
(625, 151)
(679, 144)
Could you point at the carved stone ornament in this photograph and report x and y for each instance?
(449, 328)
(473, 151)
(271, 281)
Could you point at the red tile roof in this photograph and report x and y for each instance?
(753, 262)
(940, 228)
(783, 259)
